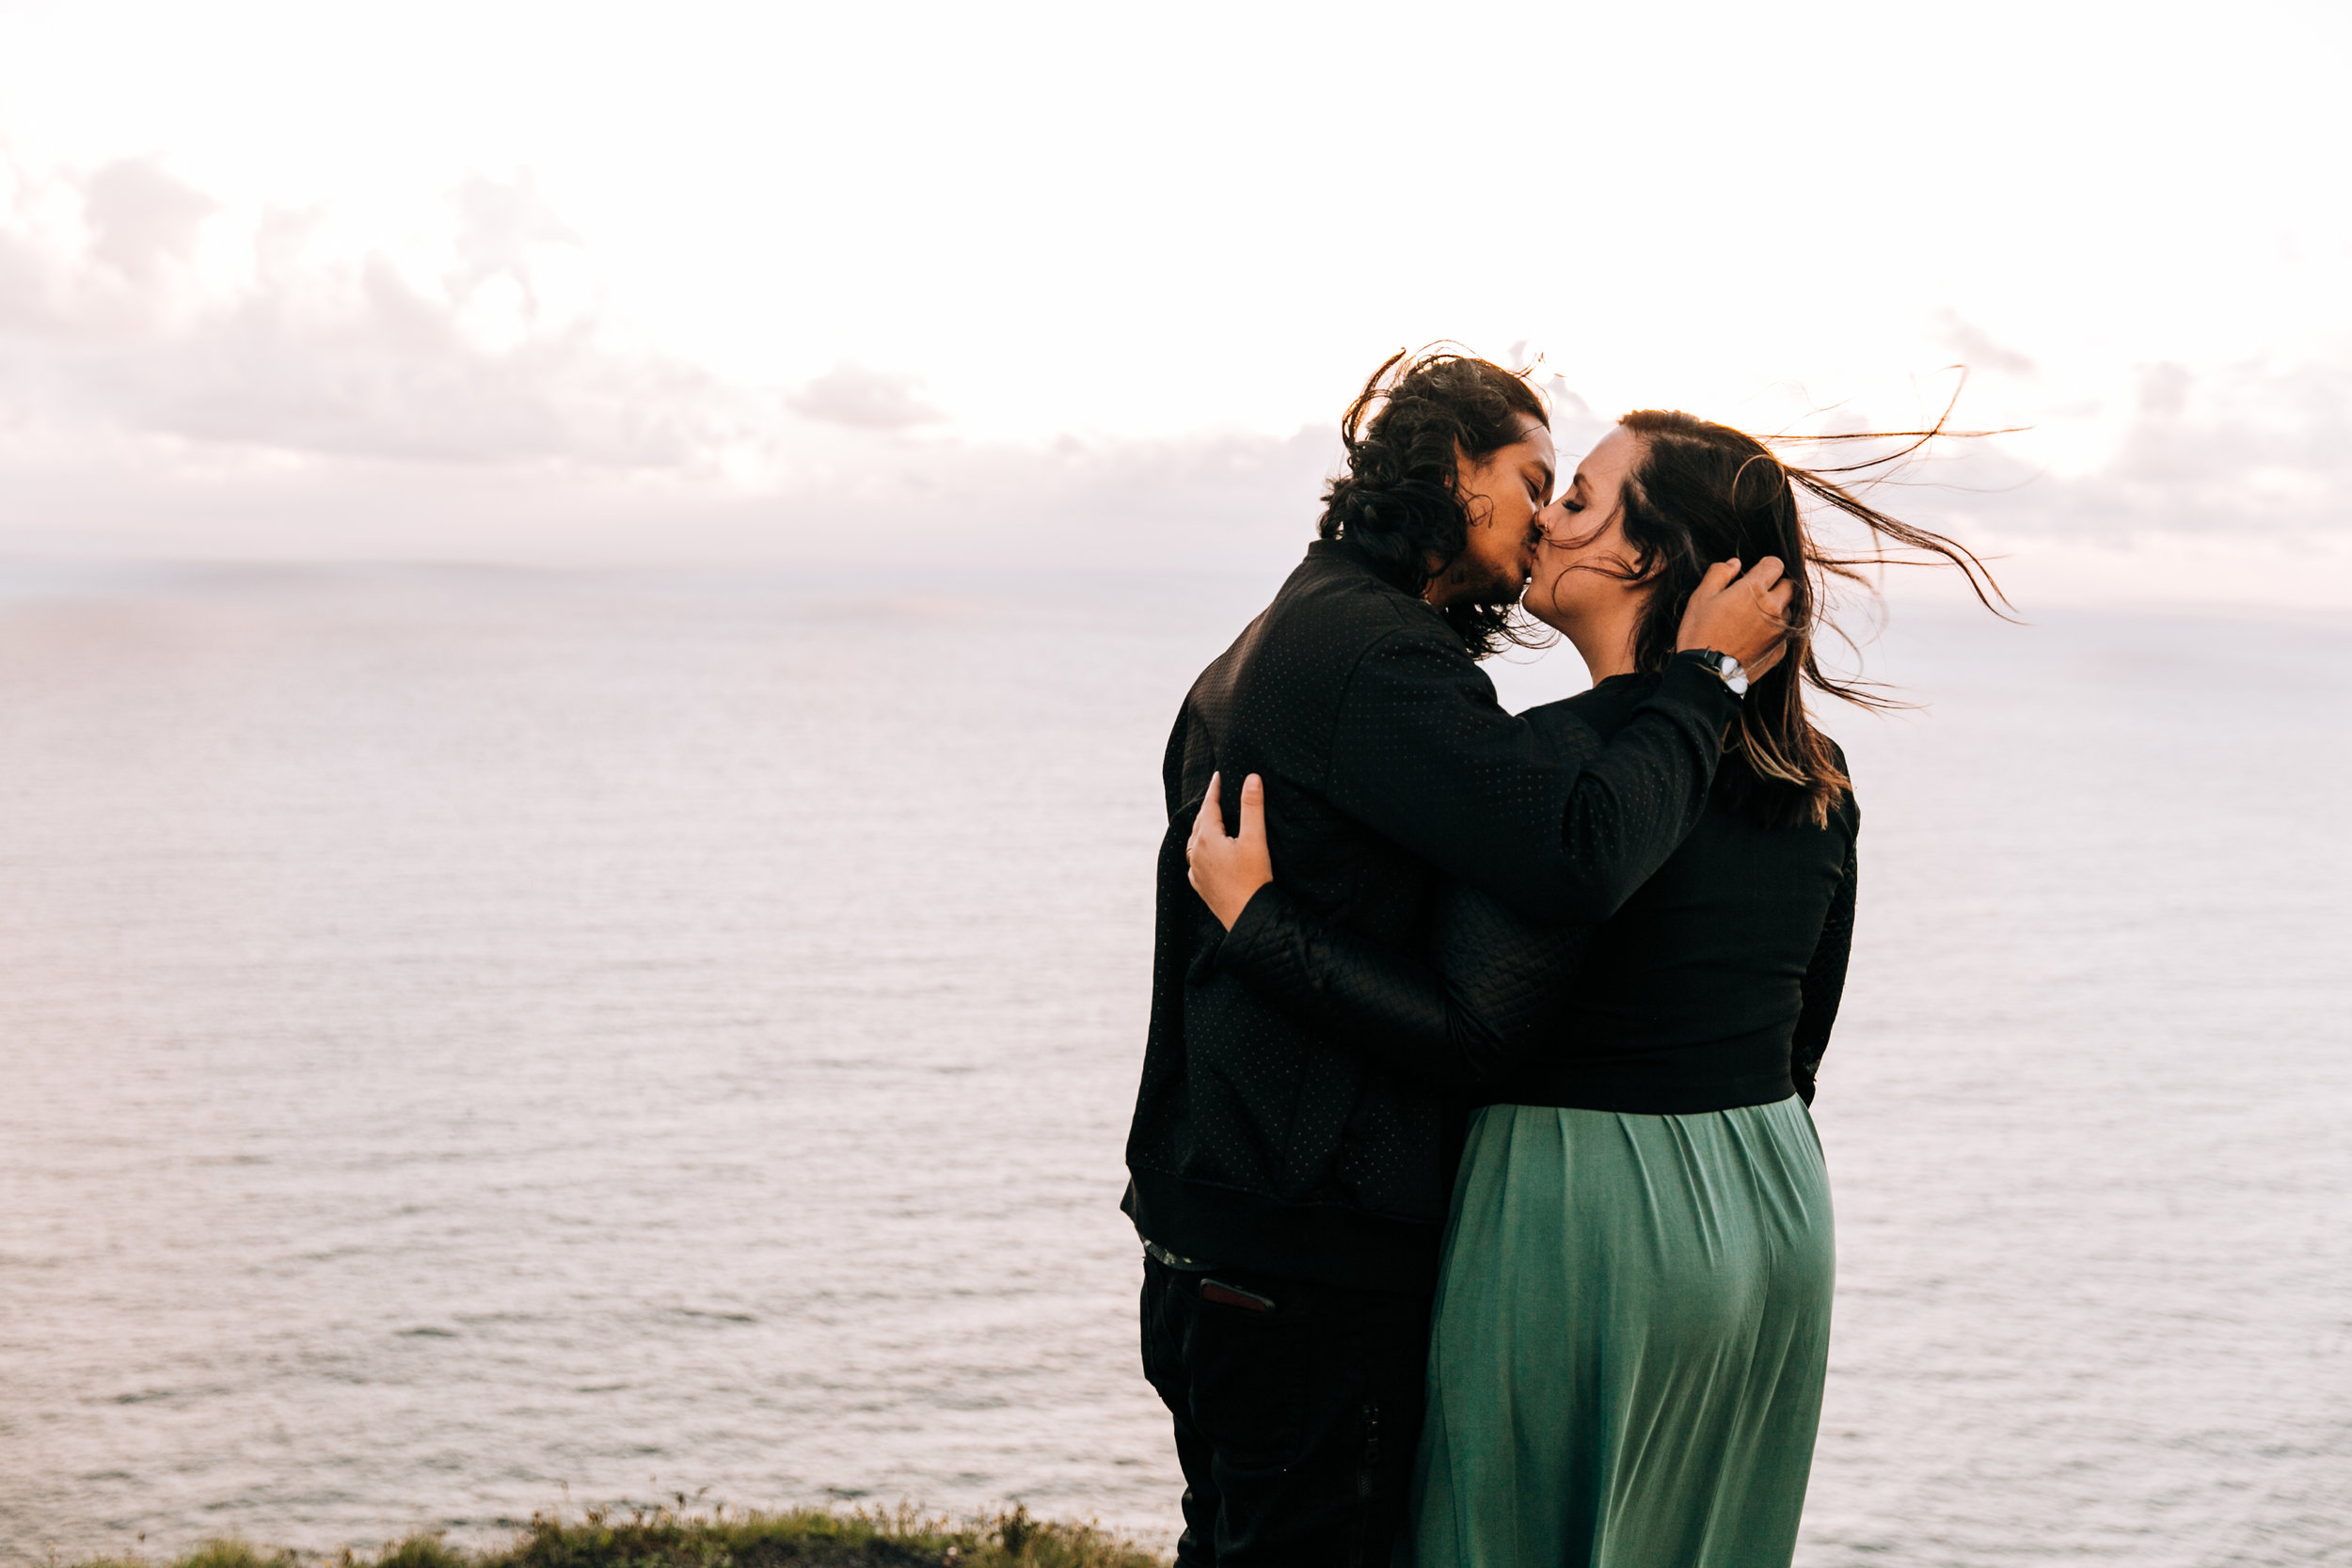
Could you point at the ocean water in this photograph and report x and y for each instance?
(478, 1042)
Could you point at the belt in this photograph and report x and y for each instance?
(1160, 1255)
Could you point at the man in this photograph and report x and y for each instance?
(1289, 1194)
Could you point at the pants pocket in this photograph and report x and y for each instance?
(1248, 1371)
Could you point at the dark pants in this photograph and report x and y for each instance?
(1294, 1424)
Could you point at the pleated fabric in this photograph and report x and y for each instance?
(1631, 1336)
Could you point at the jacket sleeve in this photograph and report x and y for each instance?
(1824, 983)
(1497, 981)
(1551, 821)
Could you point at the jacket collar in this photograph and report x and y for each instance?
(1343, 552)
(1345, 555)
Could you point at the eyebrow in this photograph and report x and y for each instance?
(1550, 475)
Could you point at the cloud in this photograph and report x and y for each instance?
(1230, 501)
(140, 219)
(128, 303)
(869, 399)
(1976, 348)
(1575, 428)
(176, 377)
(501, 222)
(182, 379)
(2254, 450)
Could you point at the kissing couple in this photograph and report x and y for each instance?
(1483, 1218)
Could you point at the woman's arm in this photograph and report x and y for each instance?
(1824, 983)
(1459, 1021)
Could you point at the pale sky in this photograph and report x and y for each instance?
(537, 280)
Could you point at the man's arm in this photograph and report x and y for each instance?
(1559, 826)
(1422, 753)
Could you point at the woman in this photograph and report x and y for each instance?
(1631, 1323)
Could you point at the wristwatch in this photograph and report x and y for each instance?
(1727, 670)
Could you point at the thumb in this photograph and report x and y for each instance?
(1253, 811)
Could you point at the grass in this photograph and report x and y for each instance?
(661, 1538)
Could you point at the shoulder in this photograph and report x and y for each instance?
(1335, 598)
(1338, 638)
(1598, 712)
(1573, 716)
(1352, 613)
(1416, 657)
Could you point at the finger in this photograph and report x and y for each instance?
(1210, 812)
(1766, 572)
(1253, 811)
(1716, 578)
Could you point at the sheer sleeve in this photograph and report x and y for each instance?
(1824, 983)
(1458, 1021)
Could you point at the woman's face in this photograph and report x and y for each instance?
(1584, 564)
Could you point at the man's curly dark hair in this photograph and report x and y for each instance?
(1400, 500)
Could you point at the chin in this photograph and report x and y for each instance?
(1504, 589)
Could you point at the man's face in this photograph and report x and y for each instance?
(1503, 494)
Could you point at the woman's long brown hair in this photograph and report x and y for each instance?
(1701, 491)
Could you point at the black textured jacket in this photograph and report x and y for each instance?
(1257, 1141)
(1715, 986)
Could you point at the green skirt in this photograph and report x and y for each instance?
(1632, 1331)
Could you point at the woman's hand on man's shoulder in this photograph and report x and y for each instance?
(1225, 869)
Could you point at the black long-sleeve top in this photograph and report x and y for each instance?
(1259, 1138)
(1714, 986)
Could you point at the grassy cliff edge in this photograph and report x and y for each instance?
(610, 1538)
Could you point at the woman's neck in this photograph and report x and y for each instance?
(1605, 642)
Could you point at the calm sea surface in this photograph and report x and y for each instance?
(471, 1040)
